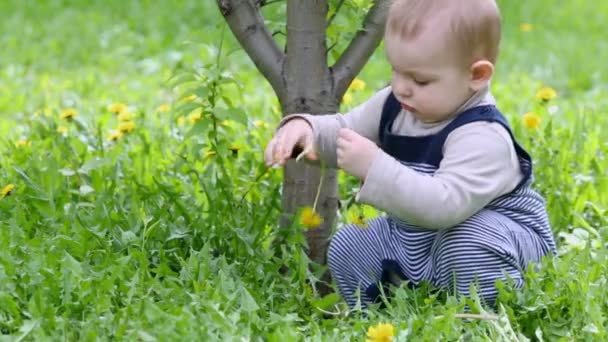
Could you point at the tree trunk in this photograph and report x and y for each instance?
(309, 87)
(304, 83)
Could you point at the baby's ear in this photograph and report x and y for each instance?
(481, 73)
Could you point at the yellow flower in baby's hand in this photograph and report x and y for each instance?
(69, 114)
(531, 120)
(126, 127)
(163, 108)
(118, 108)
(7, 190)
(357, 84)
(382, 332)
(309, 218)
(545, 94)
(526, 27)
(23, 143)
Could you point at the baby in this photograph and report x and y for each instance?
(437, 156)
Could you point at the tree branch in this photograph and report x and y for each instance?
(247, 25)
(361, 47)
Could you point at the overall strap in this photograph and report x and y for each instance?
(390, 110)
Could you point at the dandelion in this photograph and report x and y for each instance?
(227, 123)
(69, 114)
(23, 143)
(189, 98)
(126, 127)
(163, 108)
(234, 148)
(526, 27)
(347, 98)
(309, 218)
(195, 117)
(358, 218)
(118, 108)
(7, 190)
(115, 136)
(545, 94)
(357, 84)
(124, 116)
(531, 120)
(181, 120)
(260, 123)
(62, 130)
(382, 332)
(210, 154)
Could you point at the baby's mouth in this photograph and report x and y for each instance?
(408, 108)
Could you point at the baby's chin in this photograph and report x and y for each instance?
(430, 118)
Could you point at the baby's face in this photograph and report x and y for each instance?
(428, 80)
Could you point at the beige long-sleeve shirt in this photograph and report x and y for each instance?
(479, 163)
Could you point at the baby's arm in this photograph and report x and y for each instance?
(479, 165)
(363, 119)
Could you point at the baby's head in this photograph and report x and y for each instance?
(442, 51)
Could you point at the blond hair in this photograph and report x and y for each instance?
(472, 27)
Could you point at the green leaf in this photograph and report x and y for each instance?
(199, 128)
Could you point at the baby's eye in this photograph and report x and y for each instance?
(422, 82)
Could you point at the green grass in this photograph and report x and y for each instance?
(162, 236)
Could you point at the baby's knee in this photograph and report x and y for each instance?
(339, 246)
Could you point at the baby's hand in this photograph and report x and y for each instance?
(355, 153)
(295, 133)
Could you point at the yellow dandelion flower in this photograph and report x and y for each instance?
(210, 154)
(23, 143)
(115, 136)
(118, 108)
(531, 120)
(124, 116)
(163, 108)
(260, 123)
(347, 98)
(234, 148)
(195, 117)
(545, 94)
(357, 84)
(526, 27)
(62, 130)
(181, 120)
(358, 218)
(126, 127)
(382, 332)
(69, 113)
(309, 218)
(189, 98)
(7, 190)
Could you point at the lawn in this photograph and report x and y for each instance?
(135, 204)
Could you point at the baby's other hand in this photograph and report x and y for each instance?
(294, 133)
(355, 153)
